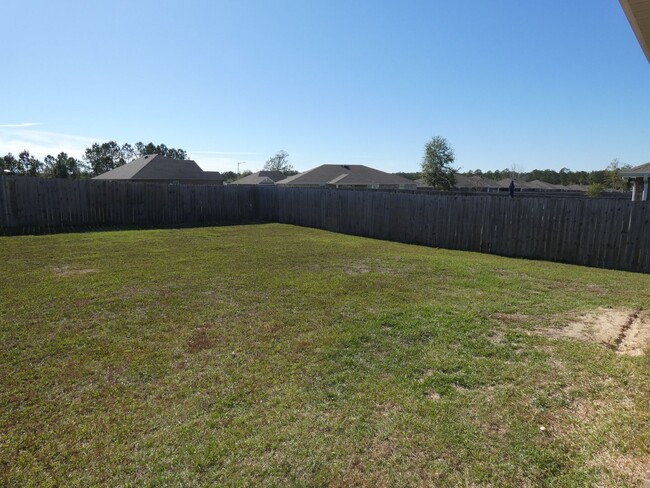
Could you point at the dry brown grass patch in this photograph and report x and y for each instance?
(200, 341)
(434, 396)
(369, 266)
(68, 271)
(496, 337)
(388, 409)
(625, 331)
(620, 466)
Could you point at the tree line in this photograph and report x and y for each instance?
(438, 171)
(97, 159)
(608, 177)
(102, 157)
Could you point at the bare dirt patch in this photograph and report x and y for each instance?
(496, 337)
(199, 341)
(388, 409)
(369, 266)
(358, 269)
(67, 271)
(625, 331)
(434, 396)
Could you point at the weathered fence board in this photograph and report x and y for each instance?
(40, 205)
(609, 233)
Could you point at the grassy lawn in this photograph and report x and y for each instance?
(275, 355)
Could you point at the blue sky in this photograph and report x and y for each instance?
(537, 84)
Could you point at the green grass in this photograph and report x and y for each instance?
(275, 355)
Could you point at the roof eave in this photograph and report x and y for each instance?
(640, 23)
(635, 175)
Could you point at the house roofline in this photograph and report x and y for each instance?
(638, 15)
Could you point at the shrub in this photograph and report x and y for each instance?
(595, 190)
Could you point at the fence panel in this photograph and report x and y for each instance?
(40, 205)
(609, 233)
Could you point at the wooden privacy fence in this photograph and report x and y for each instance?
(608, 233)
(44, 205)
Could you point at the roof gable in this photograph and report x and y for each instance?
(505, 183)
(542, 185)
(126, 171)
(345, 174)
(163, 168)
(260, 178)
(157, 167)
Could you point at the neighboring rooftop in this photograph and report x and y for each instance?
(519, 184)
(576, 187)
(479, 183)
(346, 175)
(643, 170)
(154, 167)
(474, 181)
(542, 185)
(260, 178)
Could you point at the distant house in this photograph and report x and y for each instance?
(504, 184)
(465, 183)
(576, 187)
(540, 186)
(261, 178)
(638, 177)
(154, 168)
(544, 186)
(348, 176)
(475, 183)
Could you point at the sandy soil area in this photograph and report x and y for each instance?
(624, 331)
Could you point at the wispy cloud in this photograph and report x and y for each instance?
(18, 126)
(40, 143)
(15, 138)
(226, 153)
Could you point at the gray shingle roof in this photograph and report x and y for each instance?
(644, 169)
(260, 178)
(345, 174)
(156, 167)
(575, 187)
(505, 183)
(542, 185)
(474, 181)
